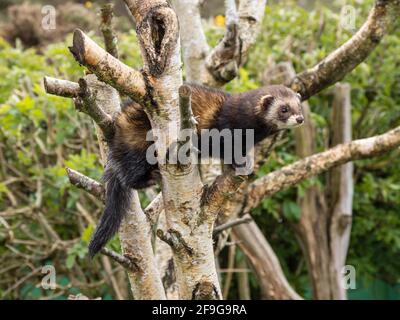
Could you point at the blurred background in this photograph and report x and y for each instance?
(44, 220)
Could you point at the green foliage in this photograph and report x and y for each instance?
(41, 135)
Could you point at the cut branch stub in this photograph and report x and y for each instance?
(62, 88)
(107, 68)
(185, 107)
(223, 188)
(125, 261)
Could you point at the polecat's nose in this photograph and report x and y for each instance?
(300, 119)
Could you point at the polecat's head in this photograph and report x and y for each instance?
(281, 107)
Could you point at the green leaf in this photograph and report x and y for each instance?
(70, 261)
(291, 211)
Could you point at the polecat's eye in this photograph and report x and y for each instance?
(284, 109)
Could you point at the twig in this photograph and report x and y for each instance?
(245, 219)
(88, 184)
(123, 261)
(110, 38)
(88, 104)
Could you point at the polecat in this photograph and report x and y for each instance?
(266, 110)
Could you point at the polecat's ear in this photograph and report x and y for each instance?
(298, 96)
(266, 101)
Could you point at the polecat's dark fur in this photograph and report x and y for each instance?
(266, 110)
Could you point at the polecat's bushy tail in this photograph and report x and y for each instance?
(118, 199)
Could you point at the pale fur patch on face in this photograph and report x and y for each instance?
(291, 122)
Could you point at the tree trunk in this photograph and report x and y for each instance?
(324, 227)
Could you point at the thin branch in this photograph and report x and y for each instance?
(123, 261)
(87, 103)
(231, 224)
(62, 88)
(110, 38)
(107, 68)
(83, 182)
(344, 59)
(320, 162)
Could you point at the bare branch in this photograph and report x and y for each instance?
(320, 162)
(344, 59)
(231, 224)
(157, 31)
(251, 13)
(62, 88)
(123, 261)
(107, 68)
(88, 103)
(83, 182)
(224, 60)
(110, 38)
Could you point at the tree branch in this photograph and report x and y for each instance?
(107, 68)
(251, 14)
(88, 103)
(231, 224)
(320, 162)
(61, 88)
(274, 284)
(110, 38)
(193, 39)
(223, 61)
(222, 190)
(120, 259)
(88, 184)
(344, 59)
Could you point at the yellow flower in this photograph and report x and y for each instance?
(88, 4)
(219, 21)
